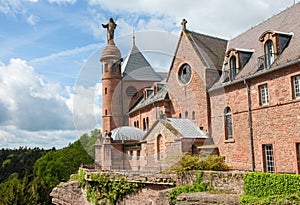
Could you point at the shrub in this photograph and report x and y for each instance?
(190, 162)
(198, 186)
(266, 188)
(265, 184)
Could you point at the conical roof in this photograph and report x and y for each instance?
(137, 68)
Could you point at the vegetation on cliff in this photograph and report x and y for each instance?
(27, 176)
(105, 188)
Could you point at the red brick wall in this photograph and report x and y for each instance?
(276, 123)
(192, 96)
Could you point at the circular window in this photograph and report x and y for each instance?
(130, 91)
(185, 73)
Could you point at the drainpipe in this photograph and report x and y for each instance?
(250, 125)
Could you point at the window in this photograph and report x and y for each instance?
(268, 158)
(269, 53)
(147, 123)
(130, 154)
(137, 124)
(134, 124)
(106, 67)
(160, 147)
(144, 124)
(185, 73)
(296, 86)
(105, 91)
(233, 68)
(179, 115)
(105, 112)
(193, 115)
(298, 156)
(138, 154)
(264, 96)
(186, 114)
(228, 123)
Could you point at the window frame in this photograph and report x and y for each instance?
(268, 158)
(228, 124)
(269, 52)
(296, 88)
(233, 66)
(263, 94)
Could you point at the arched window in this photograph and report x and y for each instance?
(233, 67)
(269, 53)
(105, 112)
(147, 123)
(228, 123)
(144, 124)
(193, 115)
(186, 114)
(160, 147)
(179, 115)
(137, 124)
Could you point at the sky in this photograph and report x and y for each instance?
(50, 76)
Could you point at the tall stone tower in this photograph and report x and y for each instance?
(111, 82)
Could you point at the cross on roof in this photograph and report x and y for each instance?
(183, 23)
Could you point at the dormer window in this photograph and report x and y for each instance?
(233, 68)
(273, 43)
(269, 53)
(237, 58)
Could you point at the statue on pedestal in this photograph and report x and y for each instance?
(110, 26)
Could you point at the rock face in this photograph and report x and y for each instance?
(68, 194)
(207, 198)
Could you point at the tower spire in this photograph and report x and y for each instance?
(133, 37)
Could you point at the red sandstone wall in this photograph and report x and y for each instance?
(192, 96)
(277, 123)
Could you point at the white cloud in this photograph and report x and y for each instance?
(59, 2)
(32, 20)
(12, 137)
(38, 113)
(218, 18)
(65, 53)
(29, 102)
(85, 104)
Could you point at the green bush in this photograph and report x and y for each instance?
(265, 184)
(266, 188)
(191, 162)
(198, 186)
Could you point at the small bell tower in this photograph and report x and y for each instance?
(111, 82)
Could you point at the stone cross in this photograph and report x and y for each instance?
(183, 23)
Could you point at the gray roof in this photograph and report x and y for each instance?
(210, 49)
(127, 133)
(288, 22)
(137, 68)
(186, 128)
(159, 96)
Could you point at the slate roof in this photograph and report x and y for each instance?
(137, 68)
(186, 128)
(159, 96)
(287, 21)
(127, 133)
(182, 128)
(210, 49)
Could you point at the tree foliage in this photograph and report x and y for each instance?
(27, 176)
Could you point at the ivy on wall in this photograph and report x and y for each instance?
(106, 188)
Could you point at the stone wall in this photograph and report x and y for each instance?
(156, 191)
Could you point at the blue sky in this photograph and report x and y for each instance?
(49, 58)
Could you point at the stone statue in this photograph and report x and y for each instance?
(110, 26)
